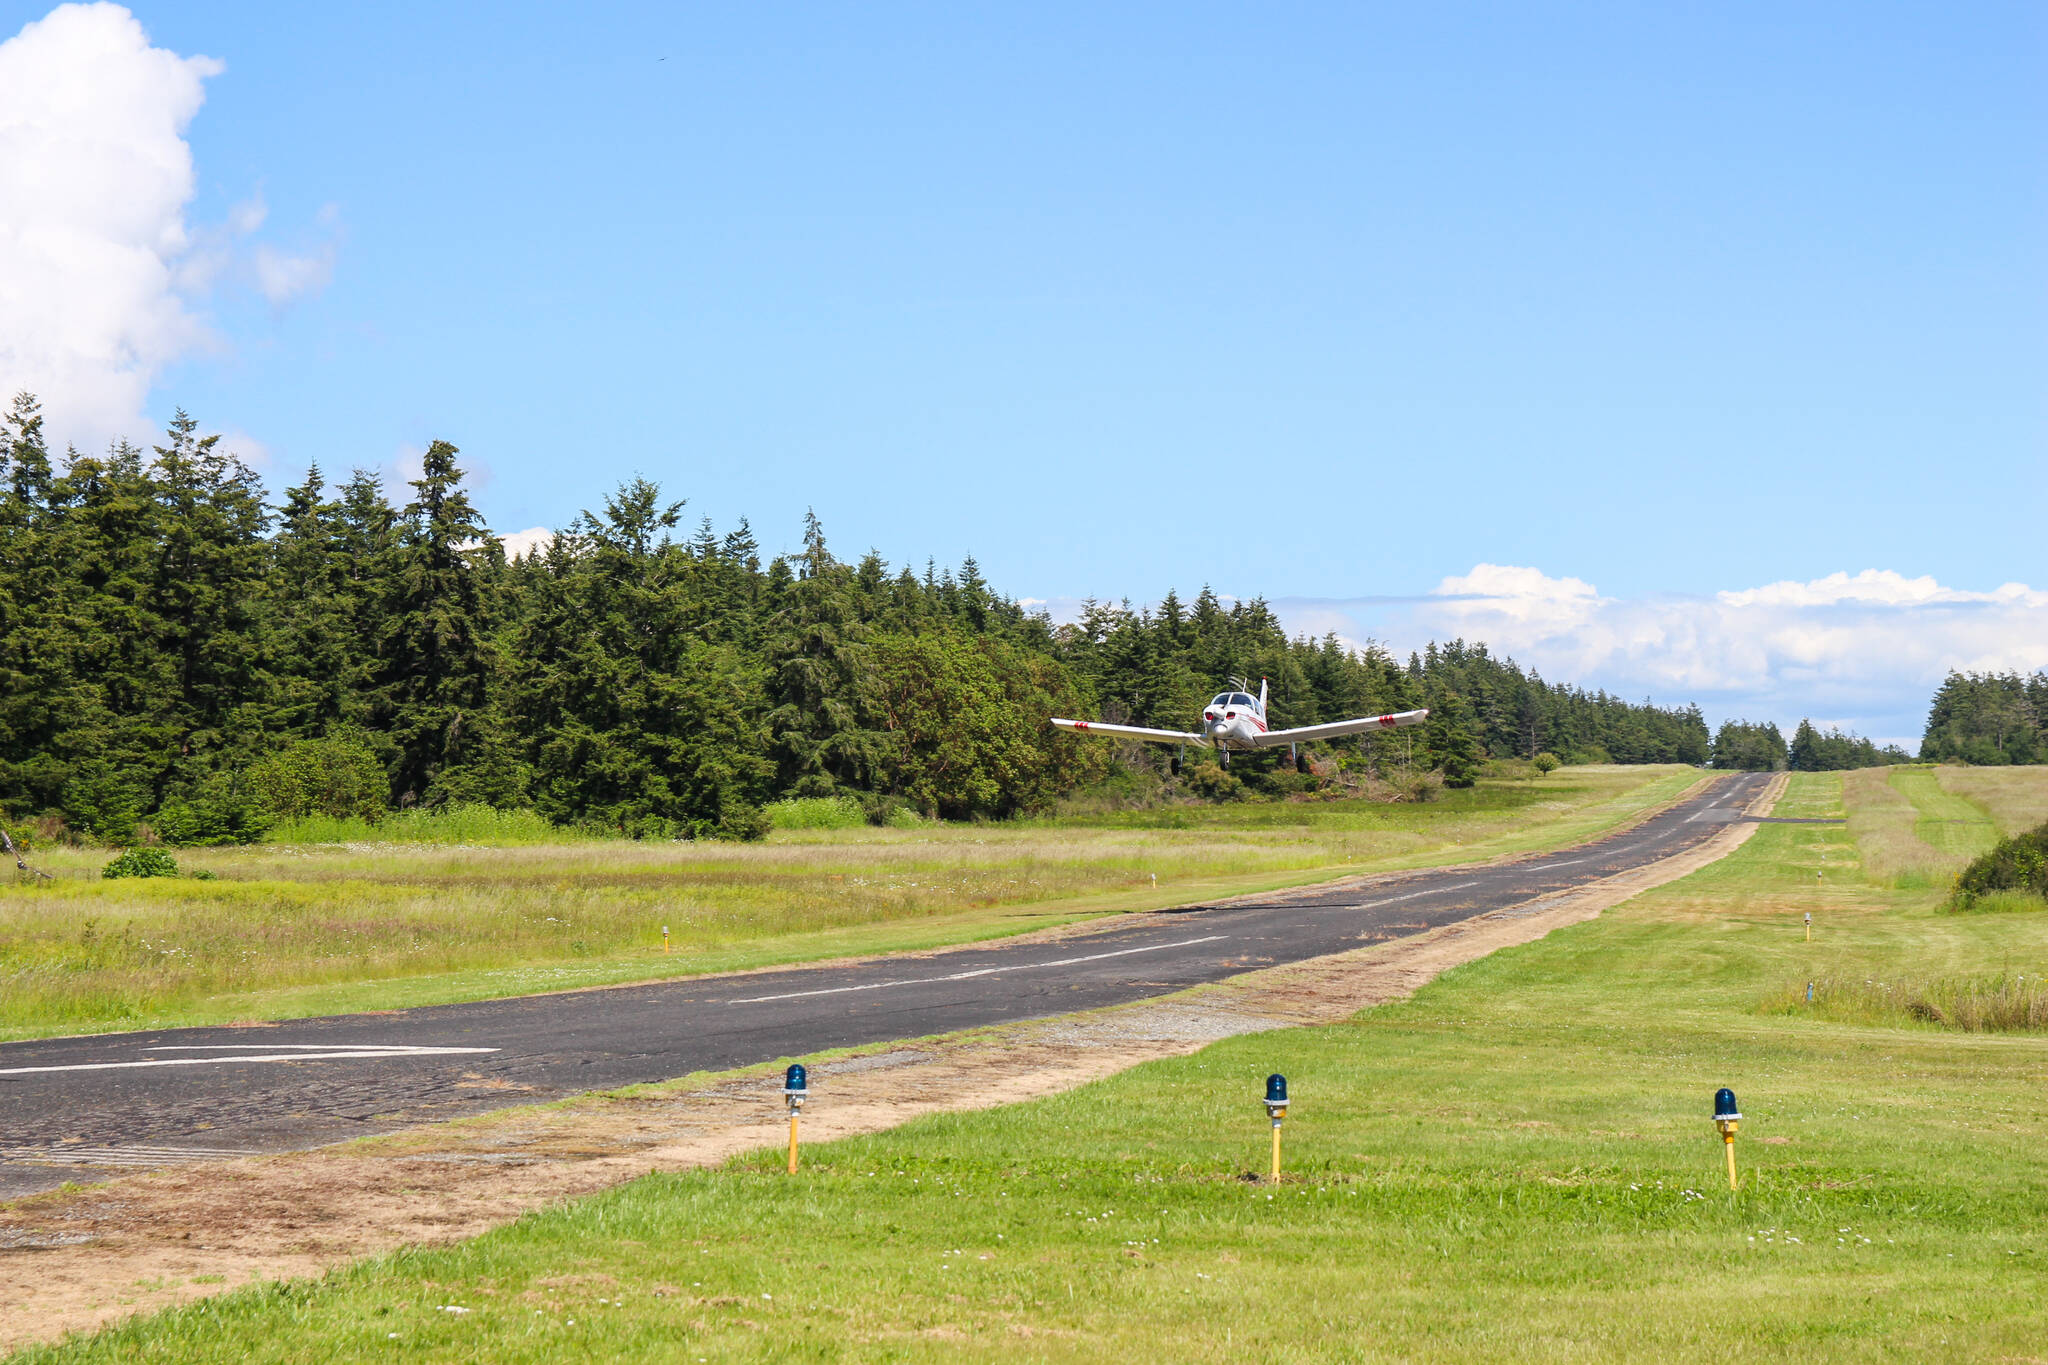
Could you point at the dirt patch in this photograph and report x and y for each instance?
(77, 1259)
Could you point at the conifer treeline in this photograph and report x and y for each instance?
(1988, 718)
(174, 648)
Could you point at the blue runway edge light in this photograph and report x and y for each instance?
(1276, 1089)
(1724, 1105)
(795, 1081)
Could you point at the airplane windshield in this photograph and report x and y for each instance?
(1240, 699)
(1222, 699)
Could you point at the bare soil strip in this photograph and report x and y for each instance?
(79, 1258)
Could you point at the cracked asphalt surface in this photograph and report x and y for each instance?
(77, 1108)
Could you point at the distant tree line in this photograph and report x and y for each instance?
(1989, 719)
(177, 649)
(1833, 750)
(1750, 747)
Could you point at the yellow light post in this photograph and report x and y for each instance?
(1276, 1109)
(795, 1088)
(664, 938)
(1726, 1118)
(1809, 926)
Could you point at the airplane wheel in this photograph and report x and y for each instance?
(1223, 757)
(1302, 765)
(1176, 767)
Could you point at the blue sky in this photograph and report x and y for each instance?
(1411, 318)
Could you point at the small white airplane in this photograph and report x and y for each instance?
(1236, 722)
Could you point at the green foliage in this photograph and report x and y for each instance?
(1988, 719)
(140, 862)
(1545, 762)
(2016, 864)
(1212, 782)
(455, 823)
(339, 777)
(163, 631)
(816, 812)
(221, 809)
(1449, 742)
(1815, 752)
(102, 805)
(1749, 747)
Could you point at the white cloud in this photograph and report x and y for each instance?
(99, 268)
(532, 539)
(1864, 649)
(283, 277)
(92, 215)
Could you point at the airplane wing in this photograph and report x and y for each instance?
(1096, 727)
(1400, 720)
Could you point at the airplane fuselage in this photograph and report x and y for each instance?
(1233, 720)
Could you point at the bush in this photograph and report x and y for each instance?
(1213, 783)
(104, 806)
(141, 862)
(738, 822)
(2016, 864)
(1547, 762)
(337, 776)
(817, 812)
(453, 824)
(224, 810)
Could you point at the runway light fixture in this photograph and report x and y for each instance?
(1809, 926)
(1276, 1110)
(796, 1088)
(1726, 1118)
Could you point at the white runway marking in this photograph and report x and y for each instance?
(984, 971)
(299, 1052)
(1432, 891)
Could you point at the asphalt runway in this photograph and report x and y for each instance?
(84, 1108)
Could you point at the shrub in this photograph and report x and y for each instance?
(223, 810)
(141, 862)
(104, 806)
(817, 812)
(452, 824)
(337, 776)
(2016, 864)
(1546, 762)
(1214, 783)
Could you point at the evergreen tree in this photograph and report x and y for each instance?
(433, 680)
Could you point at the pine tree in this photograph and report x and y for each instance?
(433, 680)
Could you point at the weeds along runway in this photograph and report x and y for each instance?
(85, 1108)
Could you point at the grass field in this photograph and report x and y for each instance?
(287, 930)
(1517, 1163)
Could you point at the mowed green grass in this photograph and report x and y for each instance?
(1515, 1164)
(296, 930)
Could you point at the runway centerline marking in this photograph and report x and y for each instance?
(304, 1052)
(968, 976)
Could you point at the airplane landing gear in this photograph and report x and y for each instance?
(1175, 761)
(1301, 763)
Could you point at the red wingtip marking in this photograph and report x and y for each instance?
(1080, 725)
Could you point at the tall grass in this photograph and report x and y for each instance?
(1884, 822)
(817, 812)
(1994, 1003)
(462, 824)
(2015, 798)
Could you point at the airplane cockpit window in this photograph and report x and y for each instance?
(1223, 699)
(1240, 699)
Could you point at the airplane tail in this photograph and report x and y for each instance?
(1262, 696)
